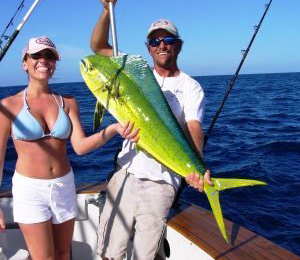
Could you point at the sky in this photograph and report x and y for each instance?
(214, 33)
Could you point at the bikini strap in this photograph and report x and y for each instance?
(62, 100)
(24, 98)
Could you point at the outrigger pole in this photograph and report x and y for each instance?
(231, 83)
(16, 32)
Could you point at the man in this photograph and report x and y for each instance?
(141, 192)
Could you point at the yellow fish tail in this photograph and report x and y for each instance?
(212, 193)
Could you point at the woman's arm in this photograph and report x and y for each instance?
(83, 144)
(5, 119)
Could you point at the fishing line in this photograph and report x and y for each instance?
(233, 79)
(3, 36)
(17, 30)
(230, 86)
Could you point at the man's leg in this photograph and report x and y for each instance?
(154, 204)
(116, 220)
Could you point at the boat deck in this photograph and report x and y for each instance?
(198, 227)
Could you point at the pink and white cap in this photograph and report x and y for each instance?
(165, 25)
(38, 44)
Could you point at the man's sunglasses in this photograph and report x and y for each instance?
(169, 40)
(49, 55)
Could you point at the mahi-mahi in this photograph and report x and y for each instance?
(126, 86)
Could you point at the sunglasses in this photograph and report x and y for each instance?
(169, 40)
(46, 55)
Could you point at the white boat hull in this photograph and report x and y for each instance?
(191, 234)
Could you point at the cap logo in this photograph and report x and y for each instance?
(45, 41)
(160, 23)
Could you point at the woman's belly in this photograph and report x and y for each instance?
(42, 159)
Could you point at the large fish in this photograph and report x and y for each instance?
(126, 87)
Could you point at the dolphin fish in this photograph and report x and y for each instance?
(126, 87)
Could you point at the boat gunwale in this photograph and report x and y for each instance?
(203, 231)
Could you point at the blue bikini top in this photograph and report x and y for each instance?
(26, 127)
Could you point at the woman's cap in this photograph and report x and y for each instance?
(38, 44)
(165, 25)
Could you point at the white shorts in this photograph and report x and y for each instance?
(38, 200)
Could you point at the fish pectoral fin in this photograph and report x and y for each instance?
(117, 87)
(114, 86)
(212, 193)
(98, 115)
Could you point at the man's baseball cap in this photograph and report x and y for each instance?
(165, 25)
(38, 44)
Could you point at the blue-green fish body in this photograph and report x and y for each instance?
(126, 87)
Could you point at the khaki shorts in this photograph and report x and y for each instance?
(38, 200)
(133, 206)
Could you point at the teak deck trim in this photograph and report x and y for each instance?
(199, 226)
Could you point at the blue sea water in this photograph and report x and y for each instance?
(257, 136)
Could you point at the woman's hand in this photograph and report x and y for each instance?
(197, 182)
(127, 133)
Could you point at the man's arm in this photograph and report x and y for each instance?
(196, 135)
(99, 39)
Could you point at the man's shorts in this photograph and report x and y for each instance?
(133, 206)
(38, 200)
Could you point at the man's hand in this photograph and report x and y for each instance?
(106, 3)
(197, 182)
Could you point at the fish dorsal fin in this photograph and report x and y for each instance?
(98, 115)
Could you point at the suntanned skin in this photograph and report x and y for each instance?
(47, 158)
(165, 63)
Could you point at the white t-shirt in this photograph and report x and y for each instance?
(186, 99)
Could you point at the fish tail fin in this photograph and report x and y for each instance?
(212, 193)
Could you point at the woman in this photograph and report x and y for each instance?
(40, 123)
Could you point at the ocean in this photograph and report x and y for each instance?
(256, 136)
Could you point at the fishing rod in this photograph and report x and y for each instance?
(3, 36)
(230, 86)
(231, 83)
(16, 32)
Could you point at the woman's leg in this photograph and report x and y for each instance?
(62, 237)
(39, 240)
